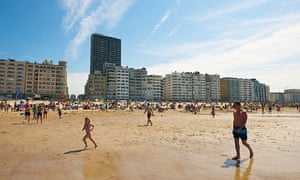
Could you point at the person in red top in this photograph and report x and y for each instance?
(27, 110)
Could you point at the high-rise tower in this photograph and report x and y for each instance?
(104, 49)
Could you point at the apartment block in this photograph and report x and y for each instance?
(198, 86)
(117, 85)
(212, 87)
(95, 87)
(178, 86)
(22, 79)
(153, 91)
(137, 84)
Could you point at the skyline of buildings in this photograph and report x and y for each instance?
(109, 80)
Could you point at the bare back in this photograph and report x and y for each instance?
(239, 118)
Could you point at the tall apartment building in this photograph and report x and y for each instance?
(117, 82)
(178, 86)
(23, 79)
(292, 95)
(198, 86)
(153, 91)
(104, 49)
(230, 89)
(137, 84)
(212, 87)
(259, 91)
(95, 87)
(245, 90)
(12, 78)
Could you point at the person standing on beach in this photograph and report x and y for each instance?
(39, 114)
(239, 130)
(27, 110)
(88, 127)
(213, 111)
(149, 111)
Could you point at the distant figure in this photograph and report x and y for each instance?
(213, 111)
(59, 112)
(263, 108)
(45, 113)
(149, 111)
(39, 114)
(278, 108)
(240, 130)
(270, 108)
(27, 110)
(34, 111)
(88, 127)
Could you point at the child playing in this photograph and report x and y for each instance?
(88, 127)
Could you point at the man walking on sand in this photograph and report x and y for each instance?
(240, 130)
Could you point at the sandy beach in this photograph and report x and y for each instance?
(179, 145)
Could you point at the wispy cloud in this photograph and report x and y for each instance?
(75, 10)
(108, 13)
(162, 21)
(221, 12)
(174, 30)
(239, 56)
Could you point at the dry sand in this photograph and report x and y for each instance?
(178, 146)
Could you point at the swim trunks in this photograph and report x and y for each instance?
(242, 134)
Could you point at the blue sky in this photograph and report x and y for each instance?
(246, 39)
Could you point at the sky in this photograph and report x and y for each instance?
(233, 38)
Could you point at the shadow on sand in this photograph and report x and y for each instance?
(76, 151)
(143, 125)
(233, 163)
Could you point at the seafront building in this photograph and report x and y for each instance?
(117, 82)
(198, 87)
(21, 79)
(95, 87)
(213, 87)
(245, 90)
(178, 86)
(153, 91)
(104, 49)
(137, 84)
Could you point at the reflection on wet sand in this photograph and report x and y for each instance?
(246, 173)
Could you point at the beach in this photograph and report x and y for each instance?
(179, 145)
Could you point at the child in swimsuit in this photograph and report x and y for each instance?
(88, 127)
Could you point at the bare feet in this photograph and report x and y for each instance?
(236, 158)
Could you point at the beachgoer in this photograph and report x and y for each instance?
(34, 111)
(27, 110)
(59, 113)
(213, 111)
(45, 113)
(88, 127)
(149, 111)
(39, 114)
(239, 130)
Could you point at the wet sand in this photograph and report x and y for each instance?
(178, 146)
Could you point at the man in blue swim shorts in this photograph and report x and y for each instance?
(239, 129)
